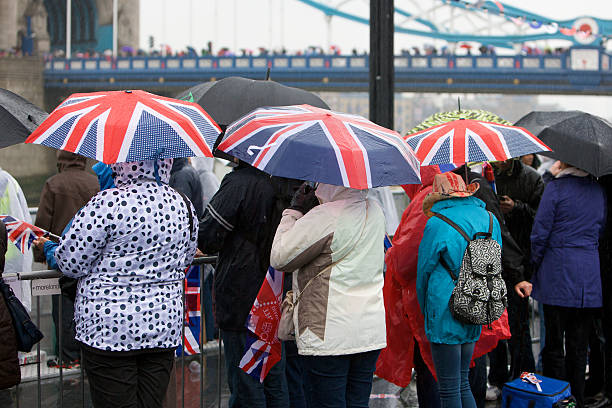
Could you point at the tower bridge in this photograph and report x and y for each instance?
(580, 70)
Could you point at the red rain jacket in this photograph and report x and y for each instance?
(405, 322)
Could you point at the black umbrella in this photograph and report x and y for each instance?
(577, 138)
(231, 98)
(18, 118)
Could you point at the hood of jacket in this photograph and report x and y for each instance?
(105, 175)
(427, 176)
(179, 163)
(66, 160)
(327, 193)
(203, 164)
(457, 202)
(131, 172)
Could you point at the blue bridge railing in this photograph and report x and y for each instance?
(579, 70)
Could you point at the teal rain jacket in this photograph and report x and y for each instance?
(434, 283)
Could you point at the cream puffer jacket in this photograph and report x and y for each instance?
(339, 245)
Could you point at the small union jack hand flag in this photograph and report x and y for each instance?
(21, 233)
(263, 348)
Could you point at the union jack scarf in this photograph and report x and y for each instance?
(21, 233)
(263, 348)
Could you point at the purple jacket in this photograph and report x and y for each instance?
(564, 242)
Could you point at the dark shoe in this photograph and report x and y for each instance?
(598, 401)
(569, 402)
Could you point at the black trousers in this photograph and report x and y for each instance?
(70, 347)
(521, 354)
(572, 325)
(136, 379)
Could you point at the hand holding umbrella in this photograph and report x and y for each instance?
(304, 199)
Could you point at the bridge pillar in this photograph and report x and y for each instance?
(381, 62)
(8, 24)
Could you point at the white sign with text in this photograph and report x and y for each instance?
(43, 287)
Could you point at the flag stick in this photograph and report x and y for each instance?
(53, 236)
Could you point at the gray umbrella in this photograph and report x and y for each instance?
(18, 118)
(577, 138)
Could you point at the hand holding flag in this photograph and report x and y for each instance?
(23, 234)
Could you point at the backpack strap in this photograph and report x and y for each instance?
(455, 226)
(488, 234)
(448, 269)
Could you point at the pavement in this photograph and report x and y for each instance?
(76, 388)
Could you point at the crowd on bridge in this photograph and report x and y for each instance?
(313, 50)
(439, 293)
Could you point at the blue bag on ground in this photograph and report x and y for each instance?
(521, 394)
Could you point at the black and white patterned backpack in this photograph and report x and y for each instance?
(479, 296)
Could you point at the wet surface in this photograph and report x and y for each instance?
(76, 393)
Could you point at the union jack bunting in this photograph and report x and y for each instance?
(467, 140)
(21, 233)
(127, 126)
(263, 348)
(309, 143)
(193, 312)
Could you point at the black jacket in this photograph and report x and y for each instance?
(185, 179)
(239, 223)
(512, 257)
(525, 186)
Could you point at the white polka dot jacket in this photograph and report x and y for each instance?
(129, 247)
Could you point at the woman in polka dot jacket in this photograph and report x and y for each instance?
(129, 247)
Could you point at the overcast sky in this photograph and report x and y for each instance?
(250, 24)
(273, 23)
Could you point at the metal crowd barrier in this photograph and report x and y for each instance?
(49, 274)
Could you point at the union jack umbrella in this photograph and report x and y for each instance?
(263, 348)
(21, 233)
(467, 140)
(314, 144)
(127, 126)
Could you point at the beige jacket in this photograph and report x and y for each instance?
(340, 244)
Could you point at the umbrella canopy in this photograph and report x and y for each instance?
(468, 140)
(577, 138)
(127, 126)
(448, 116)
(314, 144)
(18, 118)
(230, 98)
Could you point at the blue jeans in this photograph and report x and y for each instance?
(296, 376)
(247, 392)
(452, 363)
(341, 381)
